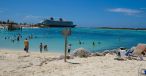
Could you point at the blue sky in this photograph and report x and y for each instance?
(84, 13)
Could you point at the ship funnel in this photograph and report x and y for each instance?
(60, 19)
(52, 19)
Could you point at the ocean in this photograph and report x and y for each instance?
(92, 39)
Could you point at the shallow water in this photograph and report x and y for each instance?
(103, 38)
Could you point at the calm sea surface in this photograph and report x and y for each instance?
(103, 39)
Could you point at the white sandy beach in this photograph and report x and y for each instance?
(47, 64)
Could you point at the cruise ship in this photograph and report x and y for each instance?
(60, 23)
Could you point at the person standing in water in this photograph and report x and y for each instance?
(45, 48)
(26, 45)
(80, 42)
(18, 38)
(41, 47)
(93, 43)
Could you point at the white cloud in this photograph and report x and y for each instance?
(126, 11)
(32, 17)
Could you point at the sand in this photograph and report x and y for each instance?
(48, 64)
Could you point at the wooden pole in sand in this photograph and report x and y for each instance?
(65, 52)
(66, 33)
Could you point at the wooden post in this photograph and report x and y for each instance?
(66, 32)
(65, 51)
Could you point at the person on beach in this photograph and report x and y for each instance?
(141, 55)
(121, 54)
(129, 53)
(69, 48)
(45, 48)
(41, 47)
(26, 45)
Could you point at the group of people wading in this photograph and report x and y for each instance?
(26, 46)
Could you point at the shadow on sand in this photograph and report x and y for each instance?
(72, 62)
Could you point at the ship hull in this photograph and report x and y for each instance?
(71, 26)
(52, 23)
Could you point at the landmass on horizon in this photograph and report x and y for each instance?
(121, 28)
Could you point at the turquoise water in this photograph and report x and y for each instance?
(103, 38)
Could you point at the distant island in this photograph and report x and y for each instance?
(121, 28)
